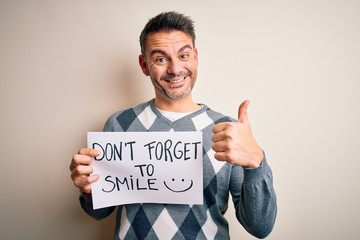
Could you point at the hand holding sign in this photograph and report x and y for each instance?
(234, 141)
(80, 169)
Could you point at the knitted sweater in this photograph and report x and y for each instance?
(251, 189)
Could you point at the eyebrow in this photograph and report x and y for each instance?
(164, 53)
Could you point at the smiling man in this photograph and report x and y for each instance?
(234, 164)
(171, 61)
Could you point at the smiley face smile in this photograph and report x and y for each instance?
(178, 191)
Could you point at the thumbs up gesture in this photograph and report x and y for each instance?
(235, 143)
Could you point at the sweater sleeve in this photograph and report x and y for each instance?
(98, 214)
(254, 198)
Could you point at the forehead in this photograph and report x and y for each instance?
(167, 40)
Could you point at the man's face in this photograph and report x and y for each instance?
(171, 62)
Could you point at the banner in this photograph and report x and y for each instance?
(147, 167)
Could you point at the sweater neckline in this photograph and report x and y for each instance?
(165, 119)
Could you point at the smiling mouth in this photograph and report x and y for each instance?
(172, 78)
(176, 80)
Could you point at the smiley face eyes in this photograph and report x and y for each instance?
(181, 180)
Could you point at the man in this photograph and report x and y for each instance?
(233, 161)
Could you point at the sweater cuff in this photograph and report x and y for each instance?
(254, 175)
(86, 202)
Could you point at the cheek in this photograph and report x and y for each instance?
(192, 68)
(191, 65)
(156, 71)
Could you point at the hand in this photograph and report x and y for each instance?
(80, 169)
(234, 142)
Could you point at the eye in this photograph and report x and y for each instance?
(161, 60)
(184, 56)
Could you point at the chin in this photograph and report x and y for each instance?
(178, 95)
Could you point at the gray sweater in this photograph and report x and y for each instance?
(251, 190)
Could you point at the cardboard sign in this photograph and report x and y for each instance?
(147, 167)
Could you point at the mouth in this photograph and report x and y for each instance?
(176, 80)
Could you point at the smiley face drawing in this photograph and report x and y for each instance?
(179, 191)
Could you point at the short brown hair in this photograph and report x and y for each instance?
(167, 21)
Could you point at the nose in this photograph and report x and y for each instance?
(174, 67)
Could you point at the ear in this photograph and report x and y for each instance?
(143, 64)
(196, 54)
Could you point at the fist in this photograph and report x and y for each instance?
(234, 142)
(81, 170)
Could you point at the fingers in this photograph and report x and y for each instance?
(84, 157)
(223, 141)
(220, 127)
(82, 178)
(83, 182)
(221, 156)
(224, 152)
(89, 152)
(81, 170)
(242, 112)
(85, 170)
(220, 147)
(79, 160)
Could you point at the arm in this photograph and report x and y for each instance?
(255, 199)
(251, 179)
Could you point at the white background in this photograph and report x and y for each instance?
(66, 65)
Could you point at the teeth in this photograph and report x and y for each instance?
(176, 81)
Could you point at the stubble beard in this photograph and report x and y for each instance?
(179, 95)
(173, 94)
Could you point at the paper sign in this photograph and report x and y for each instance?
(147, 167)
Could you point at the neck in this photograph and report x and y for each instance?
(177, 105)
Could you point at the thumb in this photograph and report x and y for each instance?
(242, 113)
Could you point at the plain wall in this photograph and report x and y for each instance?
(66, 65)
